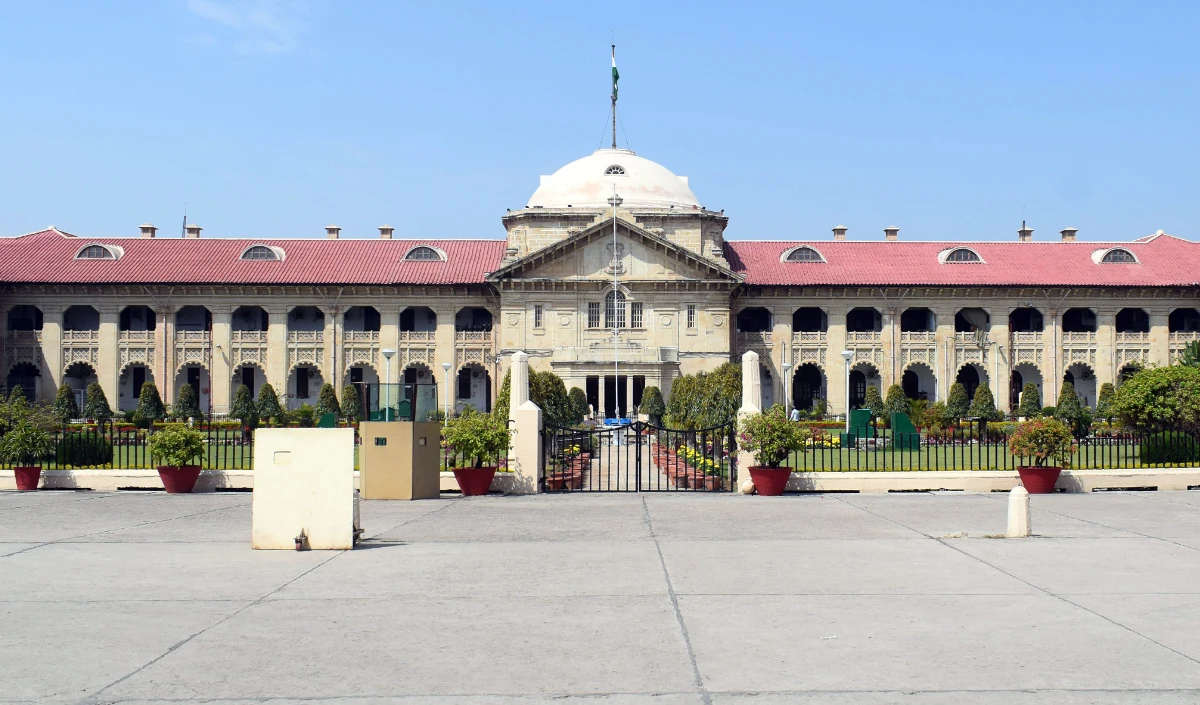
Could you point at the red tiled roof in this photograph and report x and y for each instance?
(1162, 261)
(48, 256)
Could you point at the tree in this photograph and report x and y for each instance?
(95, 404)
(1190, 357)
(187, 406)
(896, 402)
(500, 408)
(983, 406)
(244, 409)
(268, 404)
(652, 405)
(327, 402)
(351, 403)
(65, 408)
(579, 404)
(957, 403)
(874, 402)
(548, 391)
(1031, 402)
(1068, 408)
(1104, 402)
(1160, 398)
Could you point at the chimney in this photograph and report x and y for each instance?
(1025, 234)
(332, 232)
(385, 232)
(1068, 234)
(839, 232)
(148, 230)
(192, 232)
(891, 234)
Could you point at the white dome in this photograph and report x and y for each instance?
(588, 183)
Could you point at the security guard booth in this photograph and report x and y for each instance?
(399, 460)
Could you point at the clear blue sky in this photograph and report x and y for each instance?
(274, 119)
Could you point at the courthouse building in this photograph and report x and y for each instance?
(217, 312)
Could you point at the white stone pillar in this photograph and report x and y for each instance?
(525, 421)
(1018, 513)
(751, 399)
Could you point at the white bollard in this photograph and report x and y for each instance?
(1018, 513)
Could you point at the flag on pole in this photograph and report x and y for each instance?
(615, 74)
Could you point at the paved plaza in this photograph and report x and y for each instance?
(901, 598)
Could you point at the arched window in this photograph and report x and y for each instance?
(614, 310)
(423, 253)
(616, 169)
(96, 252)
(1118, 256)
(962, 254)
(261, 252)
(804, 254)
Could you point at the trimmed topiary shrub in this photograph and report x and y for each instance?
(1031, 402)
(65, 408)
(958, 405)
(983, 406)
(351, 404)
(874, 402)
(327, 401)
(187, 406)
(268, 404)
(95, 405)
(653, 405)
(896, 402)
(579, 404)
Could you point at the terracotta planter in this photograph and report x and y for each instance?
(712, 482)
(179, 479)
(27, 477)
(474, 481)
(770, 482)
(1038, 480)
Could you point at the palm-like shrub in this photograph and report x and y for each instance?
(770, 436)
(25, 444)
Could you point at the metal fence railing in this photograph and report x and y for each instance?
(225, 449)
(968, 446)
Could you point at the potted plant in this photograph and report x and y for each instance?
(176, 449)
(476, 437)
(771, 437)
(1049, 443)
(24, 445)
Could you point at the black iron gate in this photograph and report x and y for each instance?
(639, 457)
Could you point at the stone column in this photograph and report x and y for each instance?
(890, 340)
(389, 338)
(52, 370)
(108, 360)
(525, 421)
(165, 361)
(1000, 366)
(1106, 348)
(444, 339)
(276, 365)
(835, 368)
(1160, 339)
(221, 374)
(1052, 369)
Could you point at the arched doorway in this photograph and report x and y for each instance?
(196, 377)
(129, 386)
(919, 382)
(365, 381)
(26, 376)
(78, 376)
(250, 375)
(808, 385)
(1023, 374)
(862, 375)
(970, 376)
(473, 388)
(303, 386)
(1084, 380)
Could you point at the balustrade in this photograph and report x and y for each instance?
(473, 336)
(306, 336)
(1133, 337)
(24, 337)
(1078, 337)
(754, 338)
(249, 337)
(864, 336)
(918, 336)
(361, 336)
(81, 336)
(1027, 337)
(417, 336)
(193, 336)
(805, 336)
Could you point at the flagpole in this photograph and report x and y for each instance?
(614, 111)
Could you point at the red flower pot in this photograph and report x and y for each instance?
(179, 479)
(1038, 480)
(770, 482)
(474, 481)
(27, 477)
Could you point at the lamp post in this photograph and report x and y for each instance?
(847, 355)
(787, 384)
(387, 385)
(446, 366)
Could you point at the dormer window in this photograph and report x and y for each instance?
(263, 253)
(1118, 256)
(98, 252)
(960, 255)
(424, 253)
(615, 169)
(803, 254)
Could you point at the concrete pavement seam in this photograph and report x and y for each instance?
(687, 640)
(1062, 598)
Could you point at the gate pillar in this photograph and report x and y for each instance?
(751, 399)
(525, 421)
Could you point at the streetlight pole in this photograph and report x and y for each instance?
(387, 385)
(787, 388)
(847, 355)
(446, 366)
